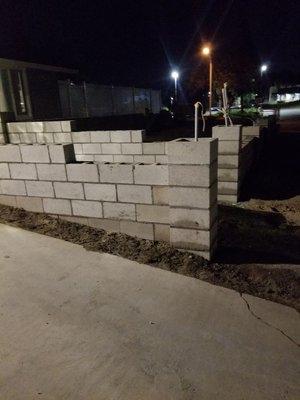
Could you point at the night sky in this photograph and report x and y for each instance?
(137, 42)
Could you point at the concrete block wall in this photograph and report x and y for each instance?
(193, 195)
(236, 153)
(128, 198)
(99, 146)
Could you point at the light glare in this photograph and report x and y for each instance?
(264, 68)
(175, 75)
(206, 51)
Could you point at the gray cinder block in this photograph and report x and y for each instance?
(82, 172)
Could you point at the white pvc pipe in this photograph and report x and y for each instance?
(196, 120)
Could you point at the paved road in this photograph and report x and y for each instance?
(89, 326)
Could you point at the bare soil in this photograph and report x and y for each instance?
(277, 284)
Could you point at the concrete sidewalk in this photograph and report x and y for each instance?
(81, 325)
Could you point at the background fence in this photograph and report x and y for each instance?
(92, 100)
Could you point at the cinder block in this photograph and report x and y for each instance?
(100, 137)
(91, 148)
(154, 148)
(229, 146)
(161, 195)
(222, 132)
(67, 190)
(191, 175)
(62, 137)
(110, 225)
(161, 159)
(44, 137)
(52, 126)
(148, 159)
(119, 158)
(151, 174)
(137, 229)
(120, 136)
(84, 157)
(10, 153)
(228, 198)
(14, 138)
(131, 148)
(66, 126)
(4, 171)
(134, 194)
(35, 153)
(193, 197)
(87, 208)
(34, 127)
(51, 172)
(191, 239)
(228, 175)
(111, 148)
(228, 161)
(34, 204)
(81, 137)
(103, 158)
(82, 172)
(8, 200)
(119, 211)
(15, 188)
(228, 187)
(193, 218)
(152, 213)
(205, 151)
(28, 138)
(251, 131)
(116, 173)
(22, 171)
(100, 191)
(137, 136)
(61, 153)
(39, 189)
(57, 206)
(78, 148)
(162, 233)
(16, 127)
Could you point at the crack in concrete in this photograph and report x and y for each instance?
(267, 323)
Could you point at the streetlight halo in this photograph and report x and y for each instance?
(175, 74)
(263, 67)
(206, 50)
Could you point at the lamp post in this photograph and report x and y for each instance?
(175, 76)
(263, 68)
(206, 51)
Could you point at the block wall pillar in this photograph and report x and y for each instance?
(193, 195)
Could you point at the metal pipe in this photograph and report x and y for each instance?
(210, 84)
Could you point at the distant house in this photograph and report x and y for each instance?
(31, 91)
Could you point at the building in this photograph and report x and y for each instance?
(31, 91)
(284, 93)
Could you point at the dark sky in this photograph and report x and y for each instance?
(136, 42)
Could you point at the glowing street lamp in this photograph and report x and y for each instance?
(263, 68)
(175, 76)
(206, 52)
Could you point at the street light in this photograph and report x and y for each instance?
(175, 76)
(263, 69)
(206, 51)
